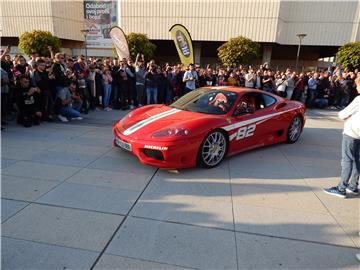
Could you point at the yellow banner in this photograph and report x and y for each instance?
(183, 43)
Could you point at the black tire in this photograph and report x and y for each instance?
(213, 149)
(294, 130)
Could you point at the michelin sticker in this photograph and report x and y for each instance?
(154, 147)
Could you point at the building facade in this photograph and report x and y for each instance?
(62, 18)
(275, 24)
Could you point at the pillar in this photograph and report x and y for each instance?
(197, 52)
(267, 50)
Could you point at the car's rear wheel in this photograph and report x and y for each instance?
(213, 149)
(295, 129)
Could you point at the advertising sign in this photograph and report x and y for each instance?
(100, 17)
(183, 43)
(119, 39)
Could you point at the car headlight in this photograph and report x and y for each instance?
(171, 132)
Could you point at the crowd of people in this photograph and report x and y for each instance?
(67, 87)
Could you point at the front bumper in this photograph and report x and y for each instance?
(168, 155)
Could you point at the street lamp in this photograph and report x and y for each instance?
(85, 32)
(300, 36)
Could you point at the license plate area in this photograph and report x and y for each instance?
(124, 145)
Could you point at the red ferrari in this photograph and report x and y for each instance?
(208, 124)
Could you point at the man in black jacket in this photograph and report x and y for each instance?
(115, 84)
(41, 80)
(27, 101)
(62, 79)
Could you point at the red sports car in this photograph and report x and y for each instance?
(208, 124)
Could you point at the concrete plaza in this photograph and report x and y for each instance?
(70, 200)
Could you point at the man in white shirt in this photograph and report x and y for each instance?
(190, 78)
(350, 160)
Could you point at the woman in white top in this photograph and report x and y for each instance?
(290, 85)
(250, 79)
(281, 84)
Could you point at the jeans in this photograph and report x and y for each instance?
(268, 89)
(151, 95)
(168, 95)
(140, 93)
(69, 112)
(106, 96)
(124, 91)
(311, 94)
(298, 95)
(343, 100)
(289, 93)
(115, 95)
(77, 105)
(350, 163)
(320, 102)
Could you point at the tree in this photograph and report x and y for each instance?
(239, 50)
(139, 43)
(349, 55)
(38, 41)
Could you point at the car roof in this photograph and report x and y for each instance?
(236, 89)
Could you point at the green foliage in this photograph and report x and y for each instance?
(38, 41)
(239, 50)
(139, 43)
(349, 55)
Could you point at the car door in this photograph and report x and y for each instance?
(250, 127)
(277, 122)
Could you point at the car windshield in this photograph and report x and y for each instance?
(207, 101)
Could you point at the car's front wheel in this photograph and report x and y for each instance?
(213, 149)
(295, 129)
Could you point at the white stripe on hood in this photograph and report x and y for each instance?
(149, 120)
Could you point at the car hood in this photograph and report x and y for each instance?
(143, 123)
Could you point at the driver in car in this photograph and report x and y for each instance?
(220, 101)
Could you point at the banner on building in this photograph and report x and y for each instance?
(119, 39)
(100, 17)
(183, 43)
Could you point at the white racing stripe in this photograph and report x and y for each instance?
(256, 120)
(149, 120)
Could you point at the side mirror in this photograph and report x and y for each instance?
(243, 110)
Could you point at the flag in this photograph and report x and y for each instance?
(119, 39)
(183, 43)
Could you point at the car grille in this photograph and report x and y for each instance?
(155, 154)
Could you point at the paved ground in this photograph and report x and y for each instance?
(72, 201)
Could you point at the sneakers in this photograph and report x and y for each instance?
(62, 118)
(353, 191)
(77, 118)
(335, 191)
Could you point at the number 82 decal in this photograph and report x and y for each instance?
(245, 132)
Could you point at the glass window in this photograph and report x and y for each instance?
(252, 100)
(268, 100)
(207, 101)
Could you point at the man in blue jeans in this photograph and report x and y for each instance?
(66, 110)
(190, 78)
(350, 160)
